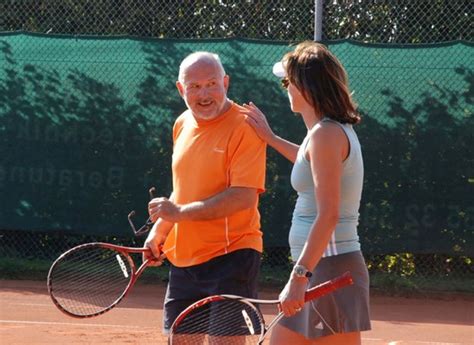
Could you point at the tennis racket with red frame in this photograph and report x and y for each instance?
(91, 279)
(228, 319)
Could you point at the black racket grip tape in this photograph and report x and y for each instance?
(329, 286)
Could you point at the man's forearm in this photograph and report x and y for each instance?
(224, 204)
(162, 227)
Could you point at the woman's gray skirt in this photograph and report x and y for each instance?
(344, 310)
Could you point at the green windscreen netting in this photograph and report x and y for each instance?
(85, 130)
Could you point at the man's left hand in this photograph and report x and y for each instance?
(165, 209)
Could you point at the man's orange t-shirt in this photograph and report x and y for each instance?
(209, 157)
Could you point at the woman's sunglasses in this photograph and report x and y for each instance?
(285, 82)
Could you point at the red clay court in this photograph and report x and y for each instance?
(27, 316)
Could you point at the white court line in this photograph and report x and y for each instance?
(32, 304)
(372, 339)
(72, 324)
(397, 342)
(436, 343)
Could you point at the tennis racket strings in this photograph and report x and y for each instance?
(221, 321)
(88, 281)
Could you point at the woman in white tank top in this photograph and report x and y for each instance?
(328, 177)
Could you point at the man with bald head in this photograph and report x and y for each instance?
(209, 228)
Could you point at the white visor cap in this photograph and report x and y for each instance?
(279, 70)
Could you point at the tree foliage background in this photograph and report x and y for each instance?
(378, 21)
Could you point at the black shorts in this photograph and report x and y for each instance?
(235, 273)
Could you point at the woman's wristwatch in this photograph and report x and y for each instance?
(301, 272)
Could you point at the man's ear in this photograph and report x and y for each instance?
(180, 88)
(226, 82)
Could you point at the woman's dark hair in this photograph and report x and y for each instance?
(322, 80)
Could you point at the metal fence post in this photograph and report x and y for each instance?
(318, 20)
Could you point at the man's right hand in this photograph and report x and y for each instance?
(155, 242)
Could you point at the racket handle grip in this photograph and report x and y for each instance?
(329, 286)
(148, 250)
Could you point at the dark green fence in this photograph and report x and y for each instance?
(85, 121)
(86, 127)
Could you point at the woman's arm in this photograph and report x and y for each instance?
(259, 122)
(326, 150)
